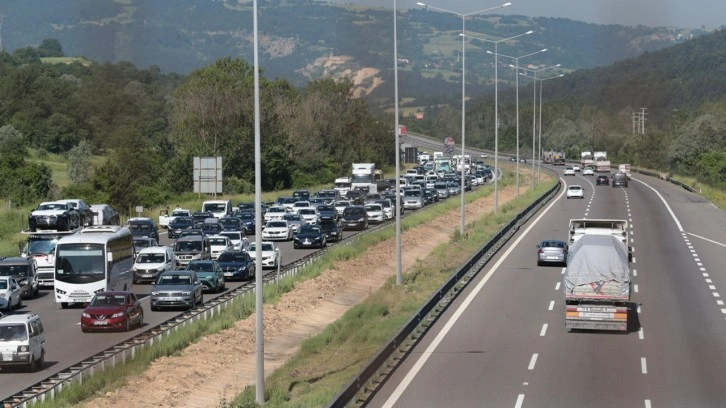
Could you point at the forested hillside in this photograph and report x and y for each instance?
(302, 40)
(149, 126)
(683, 89)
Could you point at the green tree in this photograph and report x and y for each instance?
(79, 162)
(50, 48)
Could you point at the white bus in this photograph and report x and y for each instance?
(86, 264)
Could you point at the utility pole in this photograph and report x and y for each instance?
(642, 120)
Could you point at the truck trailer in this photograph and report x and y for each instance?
(597, 279)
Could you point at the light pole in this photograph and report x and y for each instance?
(496, 109)
(534, 112)
(539, 143)
(463, 97)
(397, 130)
(516, 71)
(259, 297)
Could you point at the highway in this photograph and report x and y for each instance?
(67, 345)
(503, 343)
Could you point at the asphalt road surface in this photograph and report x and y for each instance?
(503, 343)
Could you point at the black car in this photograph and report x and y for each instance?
(59, 216)
(357, 197)
(84, 210)
(143, 227)
(179, 224)
(602, 179)
(246, 208)
(237, 265)
(327, 212)
(200, 216)
(332, 230)
(212, 228)
(355, 217)
(301, 195)
(232, 224)
(309, 236)
(430, 196)
(248, 222)
(189, 232)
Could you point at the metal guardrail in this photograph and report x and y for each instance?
(665, 177)
(358, 389)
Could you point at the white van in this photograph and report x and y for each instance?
(151, 262)
(218, 208)
(22, 341)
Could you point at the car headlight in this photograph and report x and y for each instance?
(160, 269)
(86, 315)
(119, 314)
(186, 293)
(154, 293)
(23, 349)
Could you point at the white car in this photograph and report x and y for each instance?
(10, 296)
(276, 212)
(375, 212)
(340, 206)
(219, 244)
(588, 171)
(575, 191)
(238, 238)
(300, 204)
(277, 230)
(270, 253)
(576, 167)
(569, 171)
(309, 214)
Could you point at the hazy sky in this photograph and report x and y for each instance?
(671, 13)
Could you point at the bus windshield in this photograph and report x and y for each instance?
(80, 262)
(215, 207)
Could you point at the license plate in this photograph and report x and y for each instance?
(147, 275)
(100, 323)
(551, 257)
(6, 356)
(596, 314)
(228, 274)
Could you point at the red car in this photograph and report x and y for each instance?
(112, 311)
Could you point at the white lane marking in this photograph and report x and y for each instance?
(697, 259)
(635, 272)
(712, 287)
(641, 334)
(635, 287)
(668, 207)
(639, 310)
(532, 361)
(723, 311)
(520, 401)
(563, 271)
(709, 281)
(709, 240)
(702, 269)
(544, 329)
(557, 286)
(643, 366)
(647, 404)
(693, 250)
(699, 264)
(720, 302)
(552, 305)
(633, 260)
(396, 394)
(715, 294)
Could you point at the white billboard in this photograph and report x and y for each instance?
(208, 175)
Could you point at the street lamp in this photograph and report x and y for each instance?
(496, 109)
(516, 71)
(463, 96)
(399, 264)
(534, 111)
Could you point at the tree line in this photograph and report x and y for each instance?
(148, 126)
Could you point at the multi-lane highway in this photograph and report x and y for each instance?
(67, 345)
(503, 343)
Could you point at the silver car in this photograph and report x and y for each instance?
(551, 251)
(176, 289)
(10, 296)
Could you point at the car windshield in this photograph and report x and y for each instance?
(108, 300)
(310, 229)
(306, 211)
(373, 208)
(412, 193)
(174, 279)
(247, 216)
(215, 207)
(322, 208)
(265, 247)
(232, 235)
(52, 206)
(183, 220)
(186, 246)
(277, 224)
(232, 257)
(150, 258)
(552, 244)
(292, 217)
(575, 188)
(139, 227)
(142, 243)
(217, 241)
(13, 270)
(277, 210)
(3, 284)
(200, 266)
(13, 332)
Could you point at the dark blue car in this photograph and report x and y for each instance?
(237, 265)
(179, 224)
(248, 222)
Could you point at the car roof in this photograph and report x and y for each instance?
(575, 186)
(14, 260)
